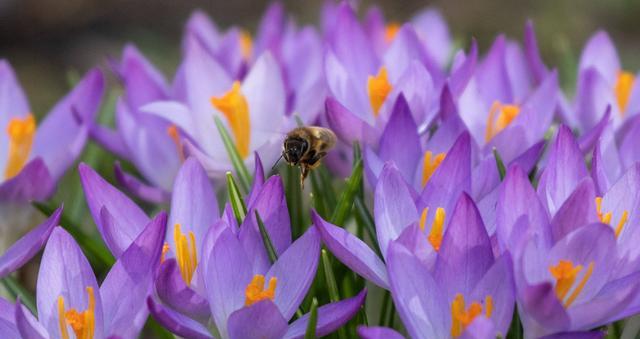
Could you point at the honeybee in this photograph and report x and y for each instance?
(306, 146)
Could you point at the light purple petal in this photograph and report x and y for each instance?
(8, 320)
(480, 328)
(498, 283)
(352, 252)
(138, 188)
(65, 271)
(13, 103)
(375, 332)
(348, 126)
(589, 139)
(130, 281)
(415, 240)
(462, 75)
(593, 96)
(330, 317)
(538, 68)
(432, 28)
(492, 73)
(260, 320)
(119, 219)
(26, 324)
(34, 182)
(271, 204)
(174, 293)
(29, 245)
(404, 49)
(579, 209)
(540, 303)
(600, 54)
(177, 323)
(295, 270)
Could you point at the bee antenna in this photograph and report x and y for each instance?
(277, 161)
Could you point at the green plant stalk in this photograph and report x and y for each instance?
(237, 204)
(499, 163)
(367, 222)
(313, 320)
(241, 170)
(346, 199)
(318, 197)
(268, 245)
(16, 290)
(332, 286)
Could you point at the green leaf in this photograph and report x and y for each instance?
(313, 320)
(515, 329)
(332, 286)
(346, 199)
(366, 220)
(294, 201)
(271, 251)
(97, 253)
(317, 196)
(234, 155)
(16, 290)
(501, 169)
(237, 204)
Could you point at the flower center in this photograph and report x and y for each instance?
(437, 226)
(623, 87)
(605, 218)
(430, 164)
(174, 134)
(186, 254)
(378, 87)
(390, 31)
(461, 317)
(565, 274)
(82, 323)
(255, 290)
(500, 116)
(21, 134)
(235, 108)
(246, 45)
(165, 249)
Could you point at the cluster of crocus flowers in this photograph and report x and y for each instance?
(495, 204)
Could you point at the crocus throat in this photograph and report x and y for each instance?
(82, 323)
(255, 290)
(21, 133)
(246, 45)
(174, 134)
(462, 316)
(430, 165)
(390, 31)
(623, 87)
(437, 227)
(235, 108)
(565, 274)
(605, 218)
(378, 87)
(186, 254)
(500, 116)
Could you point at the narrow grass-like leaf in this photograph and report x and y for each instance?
(235, 198)
(234, 155)
(318, 196)
(97, 253)
(329, 193)
(266, 239)
(365, 218)
(332, 286)
(159, 332)
(313, 320)
(515, 329)
(499, 163)
(16, 290)
(346, 199)
(294, 200)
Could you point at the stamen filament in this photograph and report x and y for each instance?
(437, 226)
(174, 134)
(565, 274)
(186, 254)
(580, 286)
(430, 164)
(82, 323)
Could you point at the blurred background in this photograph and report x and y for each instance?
(46, 40)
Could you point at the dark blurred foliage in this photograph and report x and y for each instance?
(45, 39)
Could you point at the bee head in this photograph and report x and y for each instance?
(294, 149)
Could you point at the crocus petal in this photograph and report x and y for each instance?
(59, 150)
(465, 253)
(433, 30)
(176, 294)
(352, 252)
(628, 153)
(13, 102)
(493, 73)
(416, 85)
(480, 327)
(34, 182)
(394, 206)
(576, 335)
(295, 270)
(463, 73)
(29, 245)
(330, 317)
(8, 320)
(271, 204)
(624, 195)
(110, 139)
(258, 179)
(119, 219)
(193, 203)
(26, 324)
(451, 127)
(177, 323)
(593, 96)
(400, 142)
(589, 139)
(347, 126)
(375, 332)
(260, 320)
(140, 189)
(414, 240)
(541, 304)
(600, 54)
(405, 48)
(498, 283)
(130, 281)
(565, 169)
(174, 112)
(538, 68)
(65, 271)
(578, 209)
(423, 314)
(143, 82)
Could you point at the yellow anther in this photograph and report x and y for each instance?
(430, 164)
(233, 105)
(623, 87)
(437, 226)
(186, 254)
(605, 218)
(255, 290)
(82, 323)
(500, 116)
(378, 87)
(174, 134)
(390, 31)
(461, 317)
(246, 45)
(165, 249)
(565, 274)
(21, 134)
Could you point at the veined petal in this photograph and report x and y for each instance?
(174, 293)
(26, 324)
(374, 332)
(600, 53)
(271, 204)
(348, 126)
(260, 320)
(34, 182)
(579, 209)
(177, 323)
(140, 189)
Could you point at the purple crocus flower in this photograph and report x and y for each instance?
(34, 156)
(69, 300)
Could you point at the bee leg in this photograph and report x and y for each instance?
(315, 161)
(304, 171)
